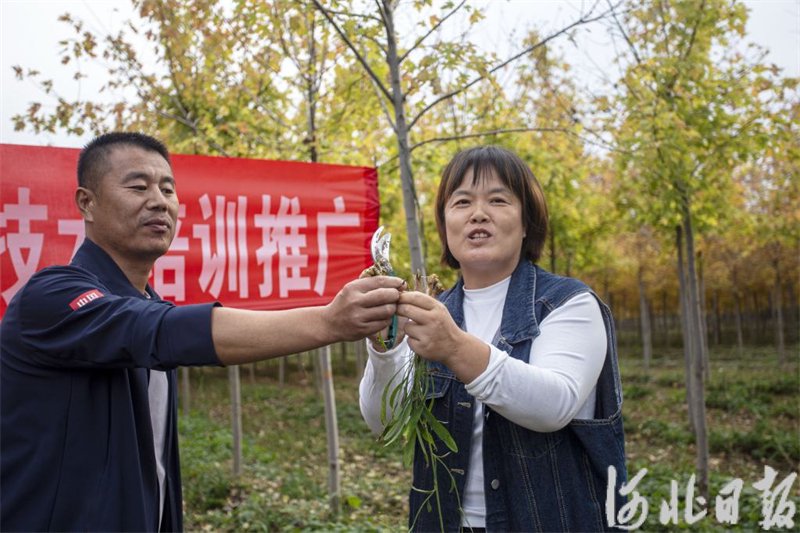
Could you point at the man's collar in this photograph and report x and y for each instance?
(93, 258)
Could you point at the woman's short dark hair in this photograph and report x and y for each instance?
(93, 159)
(515, 175)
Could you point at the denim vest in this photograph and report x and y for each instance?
(534, 481)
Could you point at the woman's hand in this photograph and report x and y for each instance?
(378, 340)
(433, 335)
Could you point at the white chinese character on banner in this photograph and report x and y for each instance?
(281, 235)
(73, 226)
(628, 511)
(230, 256)
(776, 508)
(173, 266)
(324, 221)
(264, 254)
(2, 235)
(24, 265)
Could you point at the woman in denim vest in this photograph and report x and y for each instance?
(523, 365)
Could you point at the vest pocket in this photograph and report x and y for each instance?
(439, 380)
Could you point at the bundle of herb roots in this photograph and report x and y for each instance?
(406, 413)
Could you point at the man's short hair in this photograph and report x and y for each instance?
(93, 159)
(514, 174)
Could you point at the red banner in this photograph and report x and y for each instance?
(251, 233)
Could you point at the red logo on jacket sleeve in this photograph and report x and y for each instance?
(85, 298)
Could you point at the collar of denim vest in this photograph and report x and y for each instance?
(519, 320)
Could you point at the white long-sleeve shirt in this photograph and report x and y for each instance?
(555, 386)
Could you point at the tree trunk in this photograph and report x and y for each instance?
(688, 347)
(236, 417)
(665, 320)
(361, 359)
(322, 367)
(698, 371)
(318, 380)
(404, 152)
(343, 357)
(644, 319)
(282, 371)
(739, 334)
(186, 400)
(569, 265)
(331, 430)
(703, 314)
(755, 319)
(777, 302)
(717, 320)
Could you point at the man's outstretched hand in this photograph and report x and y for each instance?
(364, 306)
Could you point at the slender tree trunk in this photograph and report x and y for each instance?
(319, 386)
(322, 366)
(644, 319)
(236, 417)
(755, 319)
(552, 250)
(331, 430)
(343, 357)
(717, 319)
(703, 314)
(777, 302)
(695, 319)
(793, 303)
(665, 319)
(688, 347)
(569, 265)
(361, 359)
(739, 333)
(186, 400)
(404, 152)
(282, 371)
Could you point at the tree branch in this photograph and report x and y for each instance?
(352, 48)
(433, 29)
(625, 34)
(529, 49)
(504, 131)
(385, 109)
(191, 125)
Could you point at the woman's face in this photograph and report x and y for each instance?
(484, 230)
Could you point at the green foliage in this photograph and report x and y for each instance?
(207, 483)
(283, 485)
(698, 121)
(753, 421)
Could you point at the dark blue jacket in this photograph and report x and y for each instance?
(76, 442)
(534, 481)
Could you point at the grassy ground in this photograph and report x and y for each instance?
(753, 419)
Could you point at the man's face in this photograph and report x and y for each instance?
(134, 207)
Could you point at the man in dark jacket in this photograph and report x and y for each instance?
(88, 351)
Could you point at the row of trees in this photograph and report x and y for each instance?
(674, 187)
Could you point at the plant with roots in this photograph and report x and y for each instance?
(406, 414)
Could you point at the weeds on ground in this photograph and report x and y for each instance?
(753, 410)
